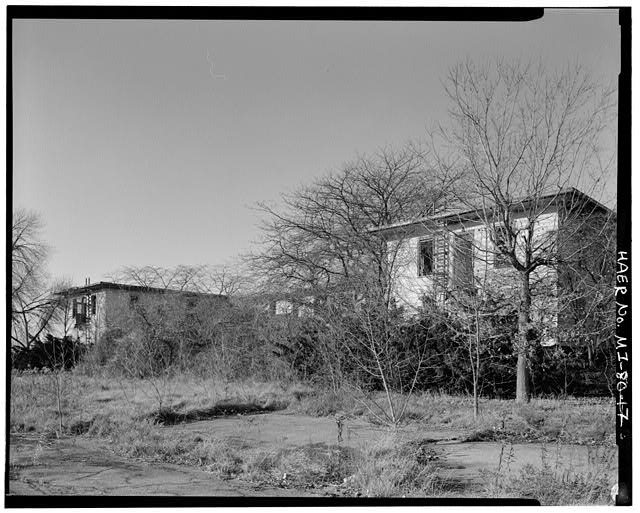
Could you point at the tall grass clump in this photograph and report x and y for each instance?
(554, 484)
(393, 469)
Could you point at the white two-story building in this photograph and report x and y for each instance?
(441, 257)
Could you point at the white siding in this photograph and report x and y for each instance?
(409, 288)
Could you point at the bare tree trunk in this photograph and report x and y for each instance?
(476, 402)
(476, 374)
(59, 401)
(474, 360)
(522, 370)
(385, 384)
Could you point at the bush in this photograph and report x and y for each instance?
(298, 349)
(573, 370)
(53, 353)
(141, 357)
(100, 354)
(239, 344)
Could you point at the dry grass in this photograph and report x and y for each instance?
(131, 414)
(310, 466)
(396, 468)
(185, 398)
(33, 408)
(322, 403)
(554, 484)
(391, 468)
(571, 420)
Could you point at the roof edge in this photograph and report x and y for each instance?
(108, 285)
(473, 215)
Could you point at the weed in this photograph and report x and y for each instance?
(37, 453)
(14, 471)
(553, 483)
(553, 487)
(309, 466)
(392, 468)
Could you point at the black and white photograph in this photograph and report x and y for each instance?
(315, 256)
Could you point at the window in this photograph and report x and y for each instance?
(500, 260)
(463, 277)
(133, 300)
(80, 307)
(80, 311)
(425, 257)
(93, 304)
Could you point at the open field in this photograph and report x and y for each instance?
(211, 437)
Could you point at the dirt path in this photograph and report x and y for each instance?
(88, 466)
(82, 466)
(467, 461)
(471, 461)
(275, 430)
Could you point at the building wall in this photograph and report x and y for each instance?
(89, 331)
(410, 288)
(118, 307)
(113, 310)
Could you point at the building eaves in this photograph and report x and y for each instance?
(106, 285)
(466, 215)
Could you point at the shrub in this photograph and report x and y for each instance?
(103, 351)
(53, 353)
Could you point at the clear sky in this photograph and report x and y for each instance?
(147, 142)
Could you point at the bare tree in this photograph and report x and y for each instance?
(378, 349)
(32, 305)
(225, 280)
(322, 234)
(323, 244)
(520, 136)
(472, 317)
(38, 309)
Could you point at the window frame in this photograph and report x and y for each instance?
(421, 267)
(468, 239)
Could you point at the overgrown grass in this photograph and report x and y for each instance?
(173, 399)
(309, 466)
(571, 420)
(392, 467)
(184, 398)
(554, 484)
(131, 414)
(322, 403)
